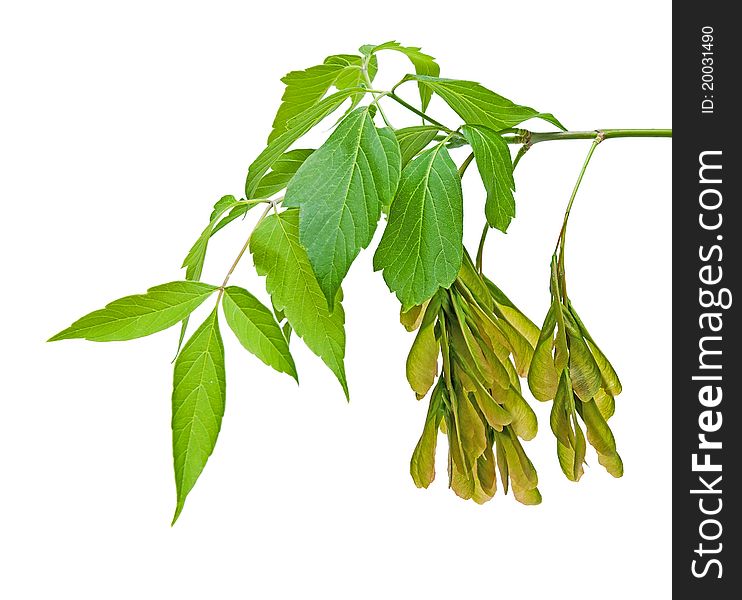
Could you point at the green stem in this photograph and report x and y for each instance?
(465, 164)
(528, 138)
(364, 69)
(420, 113)
(268, 208)
(521, 153)
(480, 249)
(563, 233)
(535, 137)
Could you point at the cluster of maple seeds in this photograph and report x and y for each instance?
(486, 344)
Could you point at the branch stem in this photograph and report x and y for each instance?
(374, 94)
(563, 233)
(420, 113)
(246, 245)
(535, 137)
(529, 138)
(465, 164)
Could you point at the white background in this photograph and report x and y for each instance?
(122, 124)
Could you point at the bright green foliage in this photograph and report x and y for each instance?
(413, 140)
(199, 393)
(281, 172)
(257, 330)
(194, 260)
(340, 190)
(479, 106)
(303, 90)
(306, 88)
(295, 128)
(496, 169)
(352, 75)
(424, 64)
(320, 208)
(421, 249)
(137, 316)
(290, 281)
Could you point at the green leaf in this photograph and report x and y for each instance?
(294, 289)
(282, 172)
(424, 64)
(422, 463)
(340, 190)
(137, 316)
(194, 261)
(421, 249)
(238, 211)
(479, 106)
(413, 140)
(257, 330)
(295, 128)
(303, 90)
(199, 392)
(496, 170)
(352, 74)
